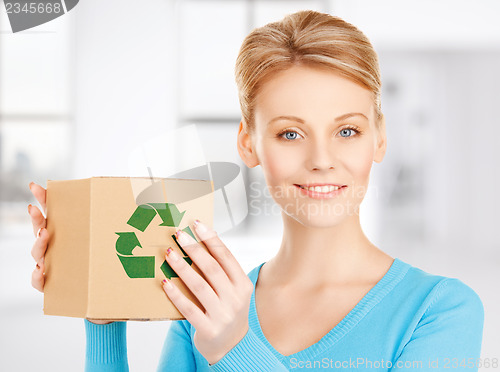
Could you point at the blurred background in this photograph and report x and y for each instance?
(78, 93)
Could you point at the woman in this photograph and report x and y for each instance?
(309, 90)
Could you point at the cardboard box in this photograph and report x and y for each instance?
(108, 237)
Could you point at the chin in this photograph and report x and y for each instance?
(312, 215)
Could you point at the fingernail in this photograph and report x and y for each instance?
(41, 231)
(182, 237)
(29, 209)
(167, 284)
(31, 184)
(171, 253)
(200, 227)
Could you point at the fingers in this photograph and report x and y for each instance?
(40, 194)
(37, 219)
(204, 260)
(220, 252)
(40, 245)
(38, 278)
(186, 307)
(194, 281)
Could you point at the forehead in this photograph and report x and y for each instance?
(311, 92)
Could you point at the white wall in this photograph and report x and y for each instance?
(429, 24)
(125, 80)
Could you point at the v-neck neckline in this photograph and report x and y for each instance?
(394, 274)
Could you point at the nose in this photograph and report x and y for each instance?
(321, 155)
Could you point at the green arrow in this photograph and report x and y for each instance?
(138, 266)
(188, 230)
(126, 243)
(135, 266)
(143, 266)
(142, 217)
(169, 213)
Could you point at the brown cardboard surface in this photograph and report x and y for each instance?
(84, 273)
(67, 256)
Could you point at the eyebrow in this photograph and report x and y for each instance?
(299, 120)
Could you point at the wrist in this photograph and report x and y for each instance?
(250, 351)
(97, 321)
(212, 359)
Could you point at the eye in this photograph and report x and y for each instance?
(290, 135)
(349, 129)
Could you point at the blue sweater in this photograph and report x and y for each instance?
(409, 320)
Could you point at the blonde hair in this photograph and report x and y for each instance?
(310, 38)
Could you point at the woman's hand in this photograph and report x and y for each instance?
(39, 223)
(226, 298)
(39, 229)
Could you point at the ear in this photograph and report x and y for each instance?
(381, 141)
(245, 147)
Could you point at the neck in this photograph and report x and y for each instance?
(334, 255)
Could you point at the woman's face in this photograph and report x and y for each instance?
(313, 126)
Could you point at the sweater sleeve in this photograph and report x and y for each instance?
(449, 334)
(177, 352)
(249, 355)
(106, 349)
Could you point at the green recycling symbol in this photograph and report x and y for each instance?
(144, 266)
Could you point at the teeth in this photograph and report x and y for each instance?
(323, 189)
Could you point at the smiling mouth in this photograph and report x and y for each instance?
(321, 188)
(325, 191)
